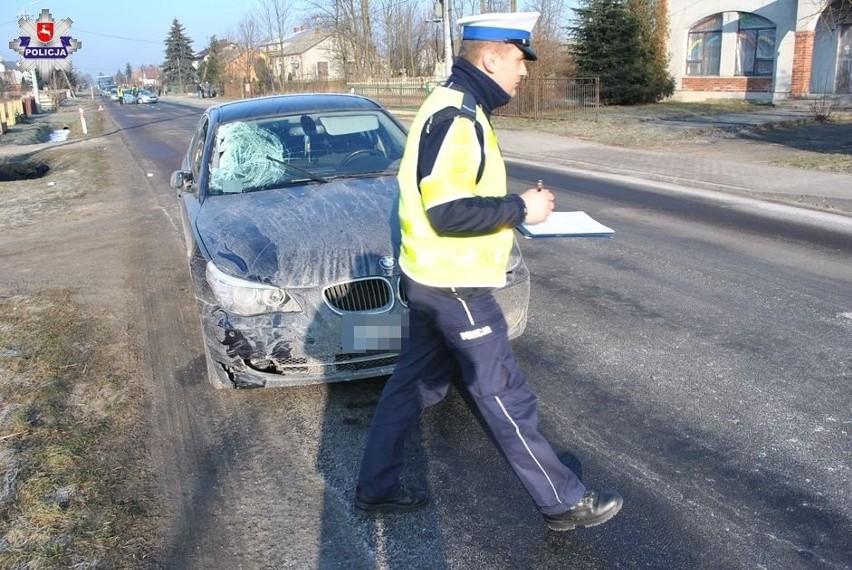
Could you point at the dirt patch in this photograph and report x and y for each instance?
(39, 179)
(72, 446)
(22, 170)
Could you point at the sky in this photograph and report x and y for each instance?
(117, 32)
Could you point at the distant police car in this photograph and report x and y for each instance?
(146, 96)
(289, 211)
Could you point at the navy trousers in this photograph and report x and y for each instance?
(445, 330)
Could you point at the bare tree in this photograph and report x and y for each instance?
(278, 21)
(367, 45)
(834, 11)
(549, 38)
(463, 8)
(406, 32)
(350, 22)
(374, 37)
(248, 38)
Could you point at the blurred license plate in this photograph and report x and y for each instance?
(368, 332)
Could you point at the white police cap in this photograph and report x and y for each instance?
(506, 27)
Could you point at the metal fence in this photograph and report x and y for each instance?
(535, 99)
(554, 98)
(404, 94)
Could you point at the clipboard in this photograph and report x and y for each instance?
(566, 224)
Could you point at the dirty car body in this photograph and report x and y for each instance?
(289, 212)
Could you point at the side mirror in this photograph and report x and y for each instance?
(180, 179)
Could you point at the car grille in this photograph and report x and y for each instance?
(342, 363)
(353, 362)
(400, 293)
(361, 295)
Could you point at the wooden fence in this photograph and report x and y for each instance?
(11, 111)
(15, 107)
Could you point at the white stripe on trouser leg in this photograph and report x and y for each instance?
(521, 437)
(466, 310)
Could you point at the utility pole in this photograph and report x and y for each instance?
(448, 47)
(37, 99)
(36, 96)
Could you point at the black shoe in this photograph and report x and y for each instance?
(593, 509)
(402, 501)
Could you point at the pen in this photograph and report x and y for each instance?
(539, 185)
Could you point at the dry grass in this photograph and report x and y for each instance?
(71, 482)
(630, 126)
(67, 417)
(799, 143)
(821, 162)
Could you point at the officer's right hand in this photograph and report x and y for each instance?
(539, 204)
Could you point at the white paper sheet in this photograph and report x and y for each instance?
(566, 224)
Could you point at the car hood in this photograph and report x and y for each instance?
(304, 236)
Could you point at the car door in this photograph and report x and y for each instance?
(190, 195)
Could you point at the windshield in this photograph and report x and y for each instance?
(312, 147)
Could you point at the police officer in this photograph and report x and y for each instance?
(457, 226)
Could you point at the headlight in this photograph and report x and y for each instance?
(246, 298)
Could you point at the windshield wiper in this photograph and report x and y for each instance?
(302, 171)
(368, 174)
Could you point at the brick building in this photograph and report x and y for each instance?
(146, 75)
(766, 50)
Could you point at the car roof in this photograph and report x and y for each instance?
(287, 104)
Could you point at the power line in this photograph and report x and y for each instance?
(118, 37)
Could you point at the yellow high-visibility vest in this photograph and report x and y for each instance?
(441, 261)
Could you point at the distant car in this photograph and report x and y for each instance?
(113, 93)
(288, 206)
(145, 96)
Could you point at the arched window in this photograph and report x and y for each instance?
(755, 45)
(705, 47)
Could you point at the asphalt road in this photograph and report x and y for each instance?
(699, 361)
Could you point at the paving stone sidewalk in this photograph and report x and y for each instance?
(829, 191)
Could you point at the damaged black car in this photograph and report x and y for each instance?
(288, 206)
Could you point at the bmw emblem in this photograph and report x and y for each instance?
(387, 262)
